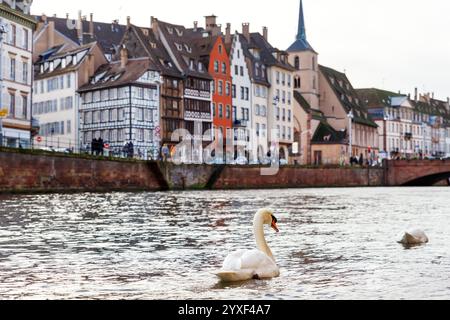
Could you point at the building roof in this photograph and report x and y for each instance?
(347, 96)
(268, 53)
(301, 43)
(141, 42)
(325, 134)
(55, 62)
(107, 35)
(113, 75)
(187, 57)
(376, 98)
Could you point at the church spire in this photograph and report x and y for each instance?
(301, 35)
(300, 44)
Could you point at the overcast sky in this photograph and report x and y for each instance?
(394, 45)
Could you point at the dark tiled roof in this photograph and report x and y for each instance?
(107, 35)
(141, 42)
(325, 134)
(179, 40)
(301, 101)
(267, 52)
(113, 75)
(57, 54)
(347, 96)
(376, 98)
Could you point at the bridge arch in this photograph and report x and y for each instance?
(416, 172)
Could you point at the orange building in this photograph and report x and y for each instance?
(212, 50)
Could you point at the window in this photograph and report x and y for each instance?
(289, 115)
(228, 89)
(247, 92)
(26, 37)
(220, 111)
(216, 66)
(220, 49)
(69, 81)
(14, 35)
(257, 69)
(220, 89)
(214, 110)
(314, 83)
(233, 91)
(236, 70)
(224, 68)
(289, 98)
(25, 72)
(242, 93)
(25, 107)
(263, 111)
(283, 77)
(12, 105)
(257, 129)
(242, 71)
(234, 112)
(69, 127)
(297, 63)
(263, 130)
(228, 115)
(61, 82)
(314, 63)
(12, 73)
(278, 77)
(257, 110)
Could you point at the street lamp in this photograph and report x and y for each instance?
(3, 31)
(350, 116)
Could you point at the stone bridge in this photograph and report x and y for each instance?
(416, 172)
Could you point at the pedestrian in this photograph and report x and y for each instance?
(361, 160)
(165, 152)
(101, 146)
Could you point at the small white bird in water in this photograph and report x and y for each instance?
(259, 263)
(414, 237)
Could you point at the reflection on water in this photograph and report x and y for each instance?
(334, 244)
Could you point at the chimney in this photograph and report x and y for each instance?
(432, 95)
(210, 22)
(51, 34)
(91, 25)
(228, 33)
(154, 26)
(128, 21)
(80, 27)
(416, 94)
(266, 33)
(246, 31)
(67, 16)
(195, 25)
(44, 18)
(123, 57)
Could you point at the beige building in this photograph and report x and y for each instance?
(16, 72)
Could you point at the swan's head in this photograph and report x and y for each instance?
(268, 218)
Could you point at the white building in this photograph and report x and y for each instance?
(121, 105)
(16, 72)
(56, 102)
(242, 108)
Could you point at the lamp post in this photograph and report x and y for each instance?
(350, 116)
(3, 31)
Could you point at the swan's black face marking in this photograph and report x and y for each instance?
(274, 224)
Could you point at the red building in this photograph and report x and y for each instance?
(214, 54)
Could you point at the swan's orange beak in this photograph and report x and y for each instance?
(274, 226)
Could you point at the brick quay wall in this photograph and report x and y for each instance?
(27, 172)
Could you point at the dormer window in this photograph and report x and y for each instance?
(63, 63)
(170, 30)
(42, 68)
(188, 49)
(179, 32)
(332, 81)
(74, 60)
(52, 66)
(200, 67)
(348, 86)
(153, 45)
(179, 46)
(257, 69)
(192, 64)
(341, 84)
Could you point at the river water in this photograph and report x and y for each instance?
(334, 244)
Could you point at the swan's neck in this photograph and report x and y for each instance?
(261, 243)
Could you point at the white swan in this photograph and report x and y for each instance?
(414, 237)
(245, 265)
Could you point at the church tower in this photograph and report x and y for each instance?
(303, 57)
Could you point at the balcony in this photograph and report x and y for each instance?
(240, 123)
(408, 136)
